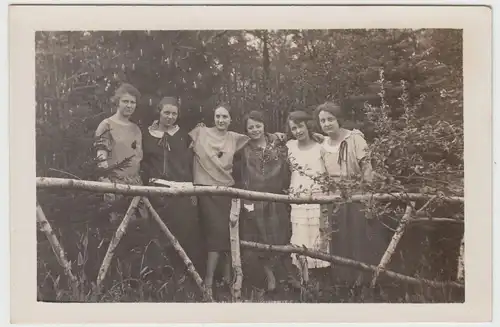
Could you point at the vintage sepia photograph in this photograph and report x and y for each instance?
(250, 165)
(367, 120)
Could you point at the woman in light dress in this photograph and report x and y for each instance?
(119, 145)
(306, 165)
(118, 139)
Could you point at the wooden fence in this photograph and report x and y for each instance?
(140, 194)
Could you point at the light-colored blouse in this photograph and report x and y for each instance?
(121, 141)
(329, 155)
(305, 165)
(213, 160)
(343, 160)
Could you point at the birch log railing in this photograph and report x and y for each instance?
(141, 193)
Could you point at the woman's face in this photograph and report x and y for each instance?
(126, 105)
(299, 131)
(168, 115)
(222, 119)
(328, 122)
(255, 129)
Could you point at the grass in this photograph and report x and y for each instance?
(127, 282)
(143, 272)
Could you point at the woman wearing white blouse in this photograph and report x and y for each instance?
(305, 159)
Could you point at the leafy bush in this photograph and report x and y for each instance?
(402, 88)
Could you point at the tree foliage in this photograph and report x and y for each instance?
(402, 88)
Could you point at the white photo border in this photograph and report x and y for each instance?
(476, 23)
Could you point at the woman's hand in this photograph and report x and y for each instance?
(103, 164)
(200, 124)
(102, 156)
(318, 137)
(281, 136)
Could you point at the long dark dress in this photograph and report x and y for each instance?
(354, 236)
(170, 158)
(264, 170)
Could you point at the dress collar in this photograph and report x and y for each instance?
(156, 132)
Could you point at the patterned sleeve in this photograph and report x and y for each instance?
(140, 150)
(145, 164)
(103, 138)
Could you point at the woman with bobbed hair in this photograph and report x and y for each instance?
(262, 166)
(349, 150)
(118, 139)
(345, 155)
(304, 153)
(168, 161)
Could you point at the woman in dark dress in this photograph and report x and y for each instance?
(355, 236)
(262, 166)
(167, 156)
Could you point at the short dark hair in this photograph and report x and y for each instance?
(332, 108)
(168, 100)
(224, 105)
(298, 117)
(254, 115)
(123, 89)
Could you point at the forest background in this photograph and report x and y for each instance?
(402, 88)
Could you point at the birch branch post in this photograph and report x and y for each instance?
(304, 276)
(177, 246)
(56, 248)
(234, 218)
(386, 258)
(121, 230)
(348, 263)
(461, 264)
(437, 220)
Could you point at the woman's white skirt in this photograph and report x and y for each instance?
(305, 232)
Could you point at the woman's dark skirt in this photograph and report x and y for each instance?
(214, 213)
(180, 215)
(358, 238)
(266, 222)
